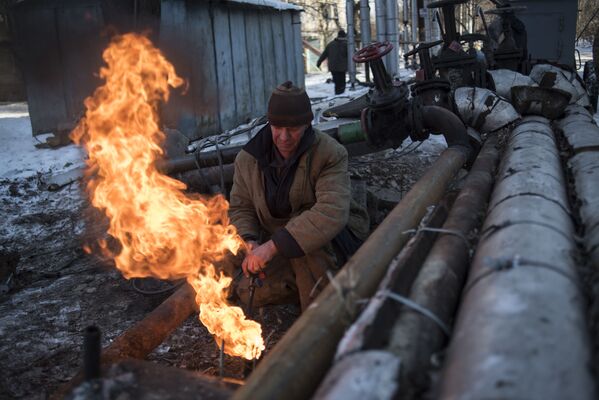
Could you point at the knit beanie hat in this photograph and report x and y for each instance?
(289, 106)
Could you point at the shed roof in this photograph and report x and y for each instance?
(279, 5)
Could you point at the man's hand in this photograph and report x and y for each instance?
(256, 260)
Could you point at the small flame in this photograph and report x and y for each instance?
(162, 232)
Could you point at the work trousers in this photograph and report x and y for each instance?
(292, 280)
(339, 80)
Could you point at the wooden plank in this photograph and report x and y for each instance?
(81, 45)
(175, 44)
(204, 85)
(224, 66)
(255, 62)
(290, 55)
(279, 47)
(243, 95)
(36, 44)
(268, 54)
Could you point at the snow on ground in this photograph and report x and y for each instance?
(20, 158)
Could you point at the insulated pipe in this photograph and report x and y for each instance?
(392, 36)
(299, 361)
(521, 332)
(582, 134)
(428, 22)
(351, 42)
(365, 31)
(441, 120)
(143, 337)
(415, 337)
(405, 35)
(380, 13)
(415, 23)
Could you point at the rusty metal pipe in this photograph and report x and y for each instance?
(415, 338)
(441, 120)
(143, 337)
(521, 330)
(299, 361)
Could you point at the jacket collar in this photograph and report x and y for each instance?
(261, 146)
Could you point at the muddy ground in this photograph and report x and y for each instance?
(51, 290)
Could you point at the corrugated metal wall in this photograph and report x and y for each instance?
(233, 55)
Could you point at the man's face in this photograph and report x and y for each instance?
(287, 138)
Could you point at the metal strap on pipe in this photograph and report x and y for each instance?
(508, 341)
(422, 310)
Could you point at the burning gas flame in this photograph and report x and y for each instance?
(162, 232)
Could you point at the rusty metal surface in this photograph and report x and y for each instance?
(299, 361)
(550, 76)
(144, 380)
(523, 299)
(547, 102)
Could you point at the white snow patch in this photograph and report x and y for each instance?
(20, 158)
(279, 5)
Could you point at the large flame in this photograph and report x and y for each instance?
(162, 232)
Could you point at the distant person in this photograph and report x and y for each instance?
(336, 53)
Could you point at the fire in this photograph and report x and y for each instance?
(162, 232)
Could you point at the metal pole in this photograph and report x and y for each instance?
(405, 13)
(92, 348)
(392, 36)
(380, 12)
(299, 361)
(521, 322)
(351, 43)
(415, 22)
(428, 35)
(365, 31)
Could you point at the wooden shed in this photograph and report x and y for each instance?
(231, 52)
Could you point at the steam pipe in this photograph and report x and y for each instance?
(381, 28)
(415, 338)
(521, 331)
(365, 31)
(440, 120)
(392, 37)
(299, 361)
(582, 134)
(415, 23)
(351, 43)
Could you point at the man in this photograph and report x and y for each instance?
(291, 200)
(336, 53)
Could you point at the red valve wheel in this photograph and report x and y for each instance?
(372, 52)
